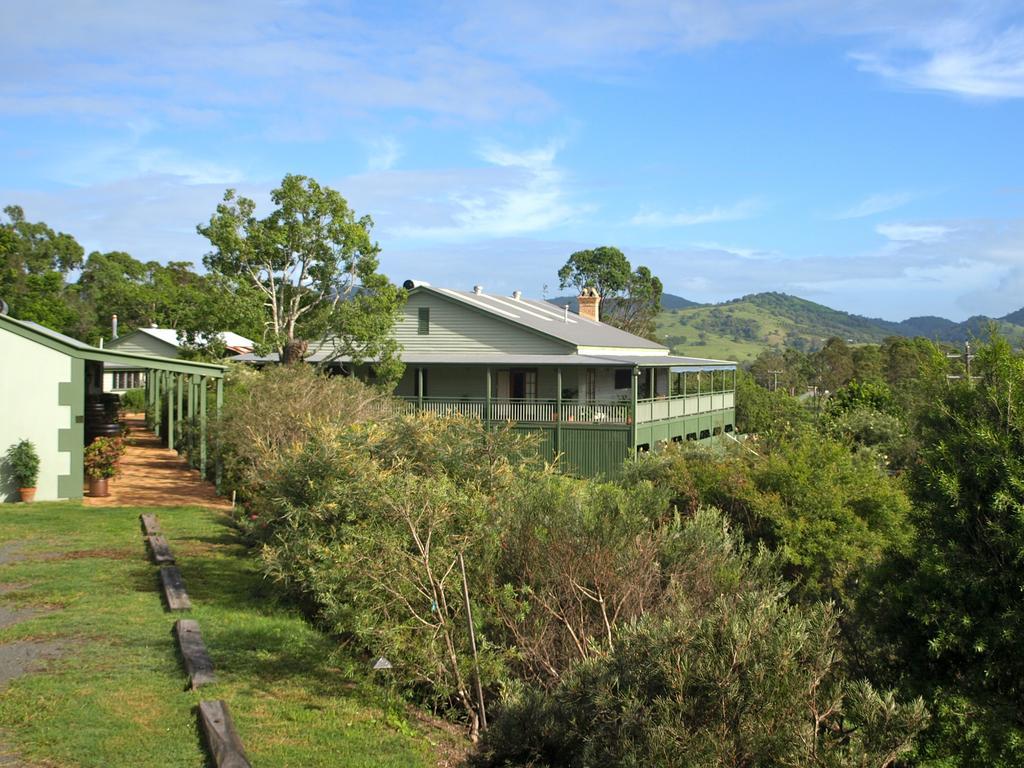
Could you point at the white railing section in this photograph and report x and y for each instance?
(534, 411)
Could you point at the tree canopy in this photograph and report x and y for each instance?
(630, 299)
(315, 266)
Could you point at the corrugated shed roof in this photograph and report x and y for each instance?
(75, 348)
(548, 319)
(170, 336)
(54, 335)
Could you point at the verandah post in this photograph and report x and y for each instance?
(632, 419)
(558, 411)
(171, 415)
(419, 388)
(487, 401)
(157, 403)
(193, 399)
(219, 471)
(202, 427)
(179, 389)
(149, 399)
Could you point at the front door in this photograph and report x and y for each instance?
(523, 383)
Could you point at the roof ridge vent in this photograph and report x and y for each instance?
(478, 289)
(517, 295)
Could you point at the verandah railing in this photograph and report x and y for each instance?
(529, 411)
(607, 412)
(659, 408)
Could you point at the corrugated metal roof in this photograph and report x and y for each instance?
(672, 361)
(590, 361)
(170, 336)
(78, 349)
(53, 334)
(548, 319)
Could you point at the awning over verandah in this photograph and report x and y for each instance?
(42, 390)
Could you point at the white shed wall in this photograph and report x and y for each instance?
(30, 375)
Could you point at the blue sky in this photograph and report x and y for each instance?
(867, 155)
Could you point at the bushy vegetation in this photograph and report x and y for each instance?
(729, 673)
(612, 623)
(134, 401)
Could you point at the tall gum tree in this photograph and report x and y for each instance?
(315, 265)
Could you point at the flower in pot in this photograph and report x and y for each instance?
(102, 457)
(23, 464)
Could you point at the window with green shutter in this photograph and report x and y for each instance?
(424, 326)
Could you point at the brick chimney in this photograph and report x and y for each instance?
(590, 304)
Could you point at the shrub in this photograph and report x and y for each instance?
(367, 521)
(267, 413)
(23, 463)
(134, 400)
(828, 512)
(576, 560)
(102, 457)
(741, 677)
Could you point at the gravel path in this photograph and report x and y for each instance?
(20, 657)
(155, 476)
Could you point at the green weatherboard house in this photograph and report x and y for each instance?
(596, 394)
(46, 379)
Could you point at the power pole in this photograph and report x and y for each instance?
(968, 356)
(775, 386)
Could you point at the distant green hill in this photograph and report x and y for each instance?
(740, 329)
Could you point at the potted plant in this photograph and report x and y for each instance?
(23, 463)
(102, 457)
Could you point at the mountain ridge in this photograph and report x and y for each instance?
(739, 329)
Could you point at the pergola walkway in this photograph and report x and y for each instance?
(154, 476)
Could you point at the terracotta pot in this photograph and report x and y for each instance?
(28, 495)
(98, 486)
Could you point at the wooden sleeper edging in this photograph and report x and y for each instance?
(174, 589)
(150, 525)
(160, 550)
(193, 650)
(221, 736)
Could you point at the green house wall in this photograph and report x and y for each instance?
(458, 329)
(141, 343)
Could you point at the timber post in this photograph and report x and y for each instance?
(558, 411)
(219, 468)
(202, 427)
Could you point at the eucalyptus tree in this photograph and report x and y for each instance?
(34, 265)
(315, 266)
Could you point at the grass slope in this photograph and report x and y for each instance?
(116, 696)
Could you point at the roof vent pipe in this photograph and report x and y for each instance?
(113, 327)
(565, 317)
(517, 295)
(478, 289)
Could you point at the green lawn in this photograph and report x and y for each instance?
(116, 696)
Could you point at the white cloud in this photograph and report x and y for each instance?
(918, 233)
(970, 56)
(528, 195)
(874, 204)
(744, 209)
(384, 153)
(131, 156)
